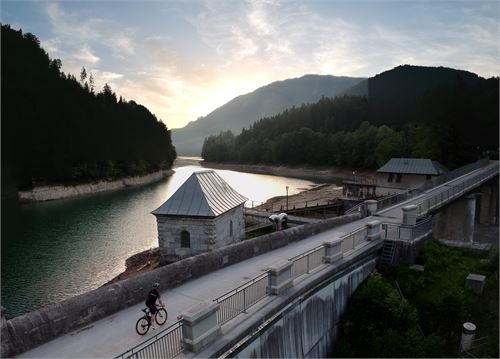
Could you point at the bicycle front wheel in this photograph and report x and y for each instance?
(142, 326)
(161, 316)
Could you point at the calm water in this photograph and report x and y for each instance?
(62, 248)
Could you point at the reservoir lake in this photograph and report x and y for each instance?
(58, 249)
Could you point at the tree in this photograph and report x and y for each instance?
(83, 75)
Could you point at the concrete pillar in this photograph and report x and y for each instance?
(456, 221)
(488, 203)
(410, 215)
(199, 326)
(280, 277)
(475, 282)
(468, 334)
(373, 230)
(333, 250)
(371, 206)
(470, 218)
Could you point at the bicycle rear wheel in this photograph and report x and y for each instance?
(161, 316)
(142, 326)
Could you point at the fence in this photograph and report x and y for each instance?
(165, 344)
(240, 299)
(353, 239)
(398, 231)
(457, 190)
(436, 181)
(307, 261)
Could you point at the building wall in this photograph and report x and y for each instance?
(384, 187)
(223, 227)
(201, 230)
(206, 234)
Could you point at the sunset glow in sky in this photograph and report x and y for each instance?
(183, 59)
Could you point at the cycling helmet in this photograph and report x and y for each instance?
(156, 285)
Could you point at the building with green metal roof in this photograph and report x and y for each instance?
(205, 213)
(401, 174)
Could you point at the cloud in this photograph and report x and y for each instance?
(85, 54)
(218, 50)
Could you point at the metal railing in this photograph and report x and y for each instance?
(448, 176)
(165, 344)
(351, 240)
(398, 231)
(436, 181)
(240, 299)
(304, 263)
(360, 207)
(391, 200)
(453, 191)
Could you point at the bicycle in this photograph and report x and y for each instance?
(144, 322)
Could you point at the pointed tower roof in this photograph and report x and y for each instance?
(204, 194)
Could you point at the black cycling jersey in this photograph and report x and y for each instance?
(153, 295)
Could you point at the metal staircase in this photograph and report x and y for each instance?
(387, 256)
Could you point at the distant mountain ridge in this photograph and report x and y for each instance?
(444, 114)
(265, 101)
(409, 81)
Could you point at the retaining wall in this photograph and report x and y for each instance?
(310, 328)
(406, 251)
(52, 192)
(32, 329)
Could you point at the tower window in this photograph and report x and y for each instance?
(185, 239)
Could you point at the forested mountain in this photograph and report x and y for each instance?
(268, 100)
(56, 129)
(444, 114)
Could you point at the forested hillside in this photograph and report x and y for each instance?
(57, 129)
(443, 114)
(266, 101)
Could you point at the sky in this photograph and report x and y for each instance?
(184, 59)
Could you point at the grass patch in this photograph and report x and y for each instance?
(442, 301)
(378, 323)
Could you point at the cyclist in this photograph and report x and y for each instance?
(153, 296)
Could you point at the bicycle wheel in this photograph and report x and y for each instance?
(161, 316)
(142, 326)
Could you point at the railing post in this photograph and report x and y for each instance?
(244, 301)
(333, 250)
(280, 277)
(373, 230)
(307, 271)
(199, 326)
(409, 215)
(371, 206)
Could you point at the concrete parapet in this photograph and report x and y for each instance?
(333, 250)
(373, 230)
(409, 215)
(371, 206)
(199, 326)
(32, 329)
(280, 277)
(475, 282)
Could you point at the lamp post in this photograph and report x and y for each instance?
(287, 198)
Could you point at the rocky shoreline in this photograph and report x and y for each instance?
(53, 192)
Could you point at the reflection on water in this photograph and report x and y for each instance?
(55, 250)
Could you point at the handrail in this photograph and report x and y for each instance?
(405, 232)
(176, 348)
(307, 261)
(305, 253)
(453, 191)
(433, 182)
(241, 287)
(240, 299)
